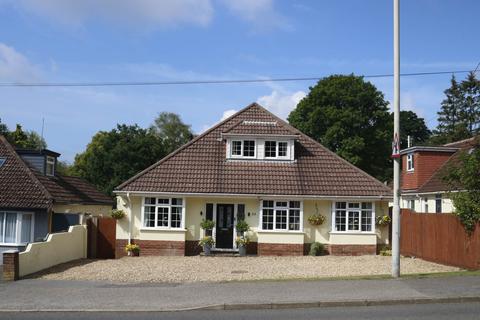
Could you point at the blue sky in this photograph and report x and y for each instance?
(157, 40)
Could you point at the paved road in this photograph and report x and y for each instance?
(464, 311)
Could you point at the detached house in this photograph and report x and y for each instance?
(423, 167)
(35, 200)
(255, 167)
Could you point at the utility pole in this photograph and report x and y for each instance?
(396, 142)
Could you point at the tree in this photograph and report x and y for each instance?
(25, 139)
(350, 117)
(463, 175)
(173, 132)
(470, 112)
(114, 156)
(3, 129)
(413, 126)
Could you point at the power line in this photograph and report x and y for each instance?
(213, 81)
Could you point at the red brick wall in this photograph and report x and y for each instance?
(120, 248)
(426, 163)
(280, 249)
(192, 248)
(352, 249)
(160, 248)
(10, 266)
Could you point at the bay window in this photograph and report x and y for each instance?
(16, 227)
(353, 217)
(163, 213)
(281, 215)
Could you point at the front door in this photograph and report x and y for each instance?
(224, 230)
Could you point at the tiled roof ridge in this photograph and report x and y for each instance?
(460, 141)
(27, 169)
(184, 146)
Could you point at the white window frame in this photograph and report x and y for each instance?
(277, 152)
(410, 162)
(163, 205)
(18, 228)
(347, 214)
(438, 198)
(275, 207)
(49, 160)
(242, 143)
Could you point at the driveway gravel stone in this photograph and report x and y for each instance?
(219, 269)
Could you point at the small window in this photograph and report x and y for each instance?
(438, 203)
(236, 148)
(282, 149)
(270, 149)
(2, 161)
(50, 166)
(411, 204)
(425, 201)
(410, 163)
(249, 148)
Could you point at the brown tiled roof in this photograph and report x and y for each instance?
(201, 167)
(19, 187)
(259, 126)
(436, 182)
(22, 186)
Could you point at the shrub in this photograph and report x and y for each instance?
(385, 251)
(242, 226)
(117, 214)
(134, 248)
(207, 224)
(208, 240)
(383, 220)
(317, 249)
(242, 241)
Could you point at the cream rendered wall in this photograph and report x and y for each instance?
(317, 233)
(59, 248)
(447, 204)
(95, 210)
(280, 237)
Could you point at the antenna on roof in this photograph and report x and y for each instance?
(43, 126)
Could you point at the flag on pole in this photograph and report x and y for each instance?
(395, 146)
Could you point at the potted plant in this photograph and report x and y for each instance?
(316, 219)
(383, 220)
(207, 242)
(133, 250)
(117, 214)
(317, 249)
(242, 243)
(208, 226)
(242, 227)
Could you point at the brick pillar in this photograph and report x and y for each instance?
(10, 265)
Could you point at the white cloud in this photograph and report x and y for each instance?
(226, 114)
(138, 12)
(261, 13)
(15, 67)
(281, 103)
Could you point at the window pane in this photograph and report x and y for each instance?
(163, 201)
(294, 204)
(366, 220)
(354, 205)
(282, 149)
(11, 228)
(26, 232)
(340, 220)
(366, 205)
(150, 200)
(249, 148)
(236, 148)
(149, 216)
(176, 217)
(281, 219)
(282, 204)
(162, 217)
(294, 219)
(2, 217)
(270, 149)
(241, 212)
(341, 205)
(353, 220)
(267, 204)
(267, 219)
(177, 201)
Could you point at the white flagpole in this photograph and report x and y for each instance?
(396, 133)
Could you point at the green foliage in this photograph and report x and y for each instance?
(64, 168)
(386, 251)
(242, 226)
(459, 116)
(25, 139)
(413, 126)
(114, 156)
(350, 117)
(464, 175)
(383, 220)
(242, 241)
(317, 249)
(316, 219)
(117, 214)
(206, 241)
(3, 129)
(134, 248)
(207, 224)
(171, 130)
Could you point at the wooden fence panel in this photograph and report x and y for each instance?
(439, 238)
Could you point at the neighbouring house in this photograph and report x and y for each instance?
(423, 167)
(255, 167)
(35, 200)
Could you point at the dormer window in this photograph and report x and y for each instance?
(50, 166)
(270, 149)
(410, 163)
(243, 148)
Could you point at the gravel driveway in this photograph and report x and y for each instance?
(215, 269)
